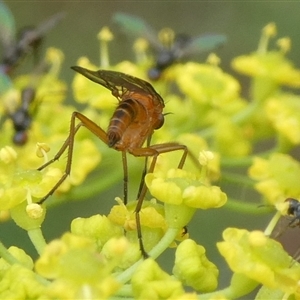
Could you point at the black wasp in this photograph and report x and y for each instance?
(170, 48)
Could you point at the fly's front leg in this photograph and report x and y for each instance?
(69, 143)
(60, 152)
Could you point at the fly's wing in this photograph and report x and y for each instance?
(137, 28)
(119, 83)
(7, 28)
(203, 43)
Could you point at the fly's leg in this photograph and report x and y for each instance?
(125, 177)
(153, 151)
(69, 144)
(144, 170)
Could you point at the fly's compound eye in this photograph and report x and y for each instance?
(159, 122)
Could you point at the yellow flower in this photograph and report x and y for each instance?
(207, 84)
(284, 44)
(228, 133)
(284, 113)
(65, 261)
(193, 268)
(271, 65)
(19, 282)
(259, 169)
(259, 258)
(182, 193)
(8, 154)
(122, 251)
(97, 227)
(152, 221)
(16, 182)
(20, 255)
(180, 187)
(151, 282)
(278, 177)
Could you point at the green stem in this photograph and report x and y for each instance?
(245, 161)
(247, 208)
(226, 293)
(246, 113)
(124, 292)
(4, 253)
(104, 56)
(261, 88)
(237, 179)
(283, 144)
(240, 285)
(272, 224)
(161, 246)
(37, 239)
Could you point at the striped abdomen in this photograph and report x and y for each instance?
(123, 117)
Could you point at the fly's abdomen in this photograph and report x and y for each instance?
(123, 116)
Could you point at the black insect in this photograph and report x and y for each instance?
(293, 210)
(22, 116)
(14, 50)
(170, 48)
(29, 40)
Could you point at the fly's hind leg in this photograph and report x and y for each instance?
(153, 151)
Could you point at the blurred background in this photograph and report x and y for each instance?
(240, 21)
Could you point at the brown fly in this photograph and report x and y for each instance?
(138, 114)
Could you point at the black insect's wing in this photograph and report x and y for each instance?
(5, 81)
(137, 28)
(203, 43)
(7, 29)
(33, 36)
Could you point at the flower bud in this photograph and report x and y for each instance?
(151, 282)
(193, 268)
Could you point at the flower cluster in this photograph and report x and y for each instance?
(257, 257)
(50, 123)
(105, 256)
